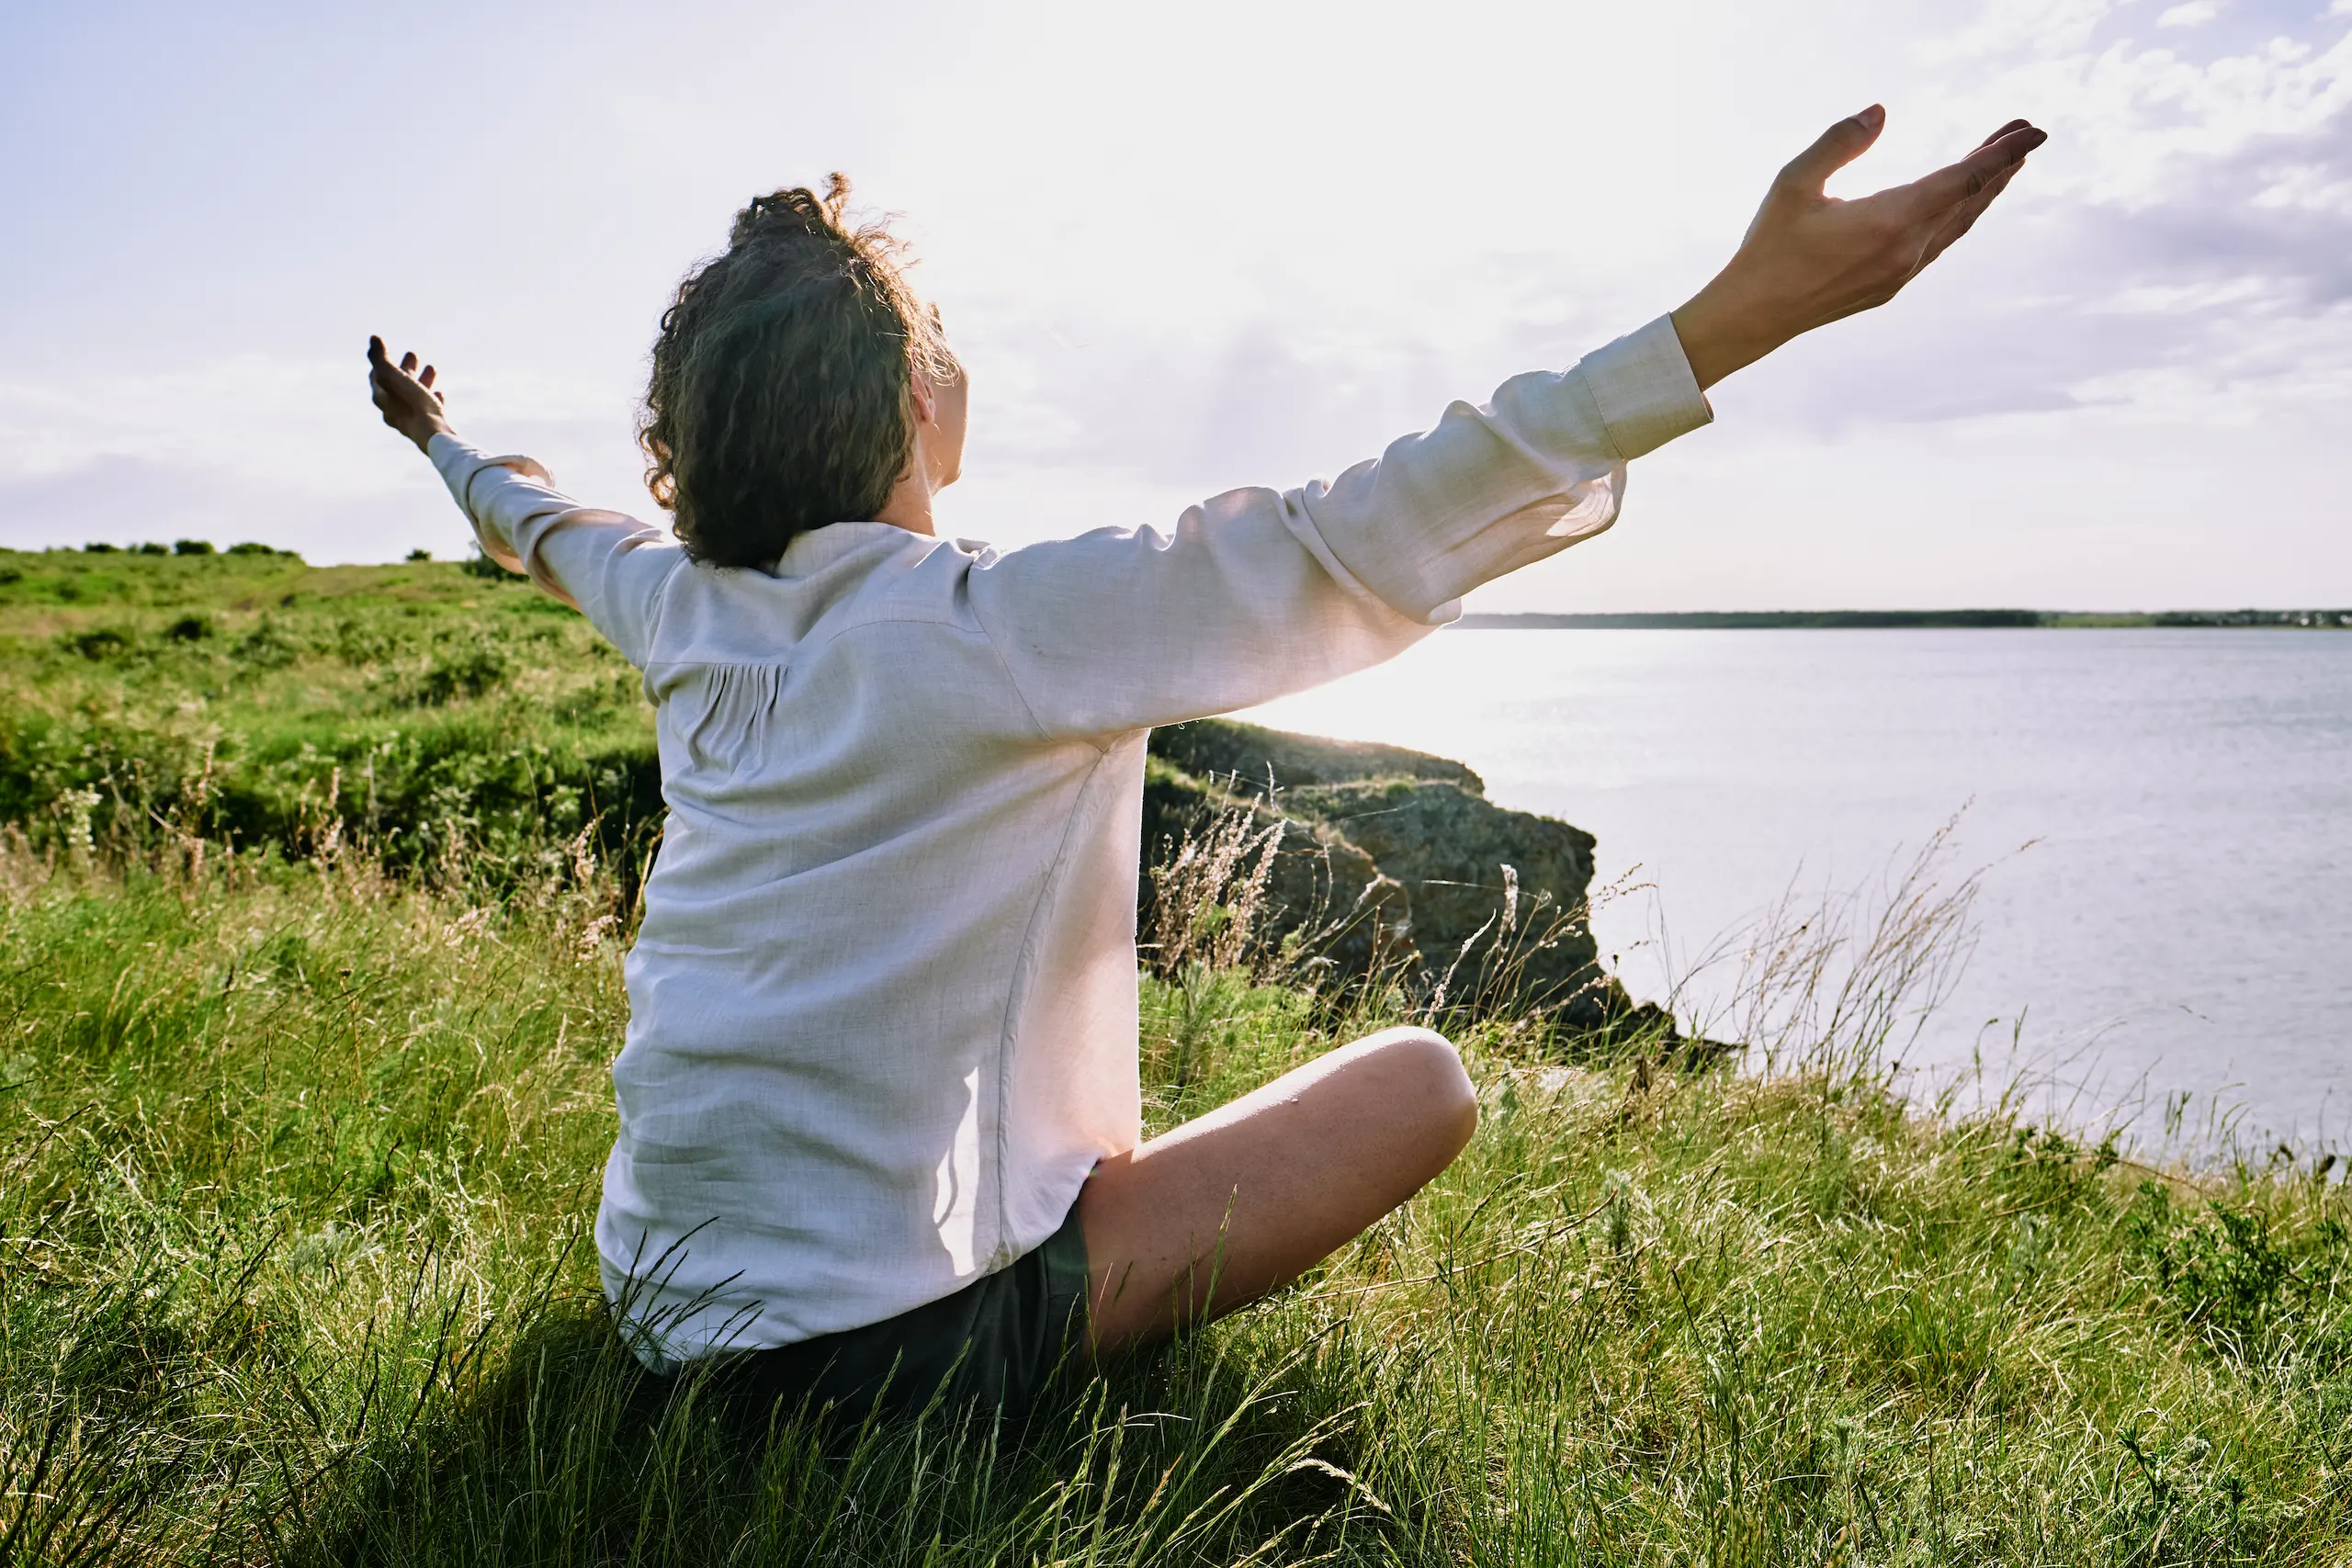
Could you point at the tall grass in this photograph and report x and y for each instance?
(299, 1162)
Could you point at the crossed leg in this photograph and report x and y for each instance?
(1233, 1204)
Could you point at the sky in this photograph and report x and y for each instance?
(1186, 248)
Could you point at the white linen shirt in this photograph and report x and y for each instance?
(883, 1001)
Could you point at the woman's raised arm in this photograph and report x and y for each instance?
(604, 564)
(1256, 592)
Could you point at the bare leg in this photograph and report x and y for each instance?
(1256, 1192)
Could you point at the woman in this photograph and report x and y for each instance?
(878, 1100)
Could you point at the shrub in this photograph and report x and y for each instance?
(268, 646)
(152, 548)
(191, 546)
(101, 643)
(2233, 1275)
(469, 672)
(251, 549)
(480, 565)
(97, 549)
(419, 555)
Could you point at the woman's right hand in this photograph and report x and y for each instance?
(405, 397)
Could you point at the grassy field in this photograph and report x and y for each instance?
(439, 720)
(303, 1105)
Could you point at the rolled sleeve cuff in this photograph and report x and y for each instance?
(457, 464)
(1643, 387)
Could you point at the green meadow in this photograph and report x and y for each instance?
(314, 886)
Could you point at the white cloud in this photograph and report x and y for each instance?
(2309, 187)
(2196, 13)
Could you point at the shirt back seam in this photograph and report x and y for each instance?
(1024, 975)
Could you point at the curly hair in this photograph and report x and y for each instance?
(782, 394)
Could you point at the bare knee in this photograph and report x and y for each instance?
(1424, 1072)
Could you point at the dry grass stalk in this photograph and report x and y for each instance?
(1209, 901)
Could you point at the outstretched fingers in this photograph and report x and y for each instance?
(1970, 178)
(424, 377)
(2013, 125)
(1951, 224)
(1964, 217)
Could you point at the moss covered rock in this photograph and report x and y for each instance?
(1399, 856)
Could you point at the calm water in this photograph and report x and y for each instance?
(2181, 920)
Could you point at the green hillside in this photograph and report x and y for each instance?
(418, 710)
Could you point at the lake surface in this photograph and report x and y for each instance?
(2179, 919)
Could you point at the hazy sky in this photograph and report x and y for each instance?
(1189, 247)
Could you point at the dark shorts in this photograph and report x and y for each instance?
(993, 1346)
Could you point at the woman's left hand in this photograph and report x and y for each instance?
(405, 397)
(1810, 258)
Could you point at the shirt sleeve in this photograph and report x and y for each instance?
(1258, 593)
(607, 566)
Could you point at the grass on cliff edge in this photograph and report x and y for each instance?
(296, 1165)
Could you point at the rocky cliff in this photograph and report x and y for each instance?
(1395, 859)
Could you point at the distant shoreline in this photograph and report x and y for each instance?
(1754, 620)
